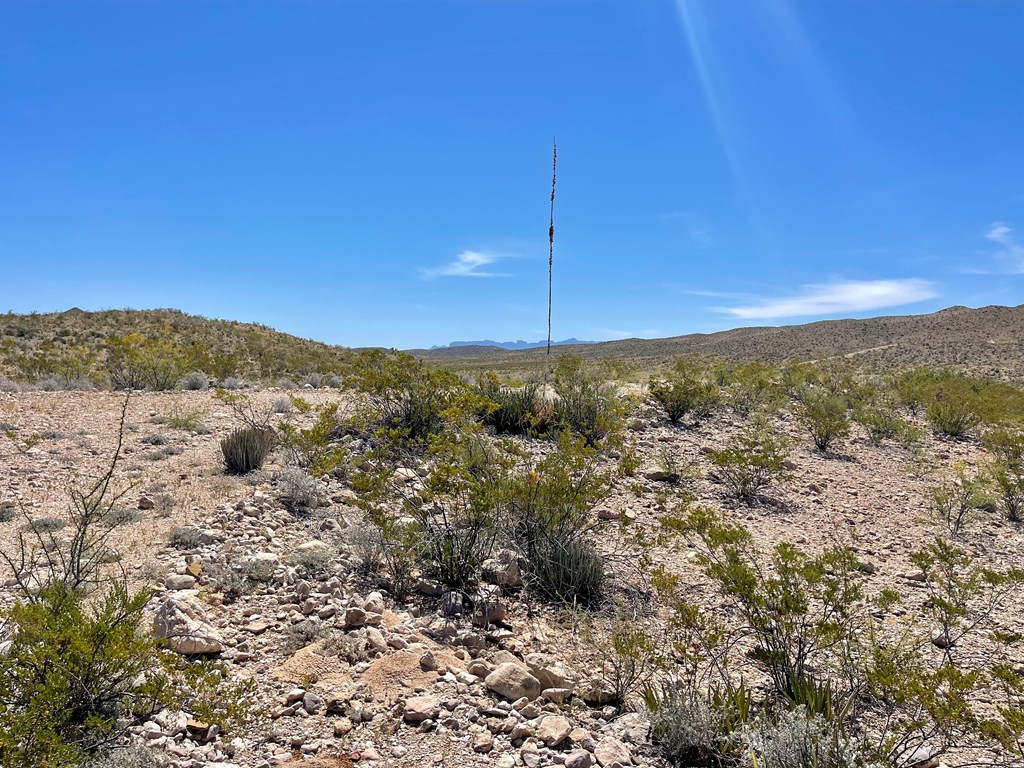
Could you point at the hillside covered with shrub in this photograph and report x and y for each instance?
(151, 349)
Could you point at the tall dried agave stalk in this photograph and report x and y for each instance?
(551, 253)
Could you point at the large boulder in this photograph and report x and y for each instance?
(551, 672)
(184, 624)
(513, 681)
(611, 752)
(503, 569)
(553, 730)
(420, 708)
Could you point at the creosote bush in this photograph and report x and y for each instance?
(585, 405)
(1007, 471)
(403, 397)
(246, 449)
(805, 628)
(755, 459)
(824, 416)
(952, 418)
(683, 393)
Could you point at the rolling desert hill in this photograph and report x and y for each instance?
(34, 346)
(988, 341)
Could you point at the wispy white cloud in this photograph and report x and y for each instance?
(697, 228)
(1010, 249)
(838, 297)
(466, 264)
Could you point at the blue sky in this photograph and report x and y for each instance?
(378, 172)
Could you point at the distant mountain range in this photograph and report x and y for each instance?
(509, 344)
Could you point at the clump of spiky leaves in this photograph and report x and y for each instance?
(508, 409)
(246, 449)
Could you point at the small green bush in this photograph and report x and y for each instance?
(511, 410)
(585, 405)
(7, 513)
(756, 458)
(824, 416)
(682, 393)
(186, 538)
(956, 501)
(1007, 471)
(952, 418)
(246, 449)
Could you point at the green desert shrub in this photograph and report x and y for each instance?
(1007, 471)
(956, 501)
(70, 674)
(402, 395)
(246, 449)
(824, 416)
(951, 418)
(682, 393)
(754, 388)
(316, 448)
(80, 662)
(756, 458)
(585, 405)
(185, 538)
(510, 410)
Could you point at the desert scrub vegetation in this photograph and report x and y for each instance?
(804, 631)
(143, 347)
(1007, 471)
(78, 663)
(477, 495)
(824, 415)
(755, 458)
(246, 449)
(509, 409)
(584, 404)
(684, 392)
(402, 396)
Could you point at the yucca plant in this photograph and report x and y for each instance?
(246, 449)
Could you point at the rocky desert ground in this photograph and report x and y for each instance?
(347, 673)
